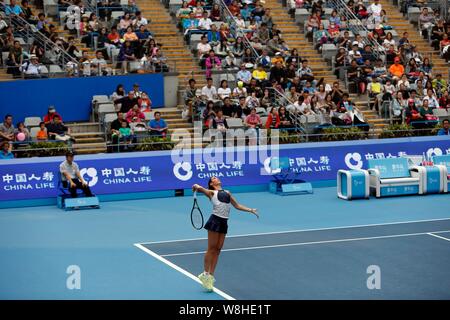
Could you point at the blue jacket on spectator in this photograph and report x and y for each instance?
(443, 132)
(13, 10)
(190, 23)
(125, 51)
(210, 36)
(5, 156)
(143, 35)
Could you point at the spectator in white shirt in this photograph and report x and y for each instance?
(99, 65)
(203, 48)
(224, 91)
(209, 92)
(244, 75)
(240, 22)
(432, 101)
(31, 69)
(375, 9)
(354, 54)
(139, 20)
(205, 22)
(240, 90)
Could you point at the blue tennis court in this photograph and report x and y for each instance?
(303, 247)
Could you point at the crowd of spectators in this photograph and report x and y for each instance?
(230, 43)
(121, 45)
(396, 76)
(51, 128)
(135, 117)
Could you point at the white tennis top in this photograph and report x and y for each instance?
(221, 201)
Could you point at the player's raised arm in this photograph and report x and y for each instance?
(199, 188)
(241, 207)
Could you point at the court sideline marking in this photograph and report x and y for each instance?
(313, 242)
(303, 230)
(436, 236)
(181, 270)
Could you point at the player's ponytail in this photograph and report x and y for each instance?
(210, 186)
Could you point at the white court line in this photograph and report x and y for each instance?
(302, 230)
(179, 269)
(440, 237)
(308, 243)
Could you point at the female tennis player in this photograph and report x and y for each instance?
(217, 226)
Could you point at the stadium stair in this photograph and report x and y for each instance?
(401, 24)
(88, 137)
(66, 34)
(295, 38)
(165, 31)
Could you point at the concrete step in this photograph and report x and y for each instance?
(96, 145)
(91, 150)
(90, 140)
(83, 127)
(92, 134)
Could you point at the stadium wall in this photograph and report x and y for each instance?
(34, 181)
(72, 96)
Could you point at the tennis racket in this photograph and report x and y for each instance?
(196, 214)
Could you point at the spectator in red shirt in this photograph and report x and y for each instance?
(145, 104)
(412, 113)
(135, 114)
(48, 118)
(273, 119)
(215, 14)
(444, 101)
(234, 8)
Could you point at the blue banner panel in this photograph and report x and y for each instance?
(154, 171)
(71, 96)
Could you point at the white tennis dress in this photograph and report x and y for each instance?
(221, 201)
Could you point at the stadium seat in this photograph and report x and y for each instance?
(261, 111)
(264, 120)
(149, 116)
(117, 14)
(5, 57)
(195, 39)
(100, 99)
(55, 69)
(32, 122)
(106, 108)
(329, 50)
(33, 132)
(109, 117)
(440, 113)
(235, 123)
(174, 5)
(301, 15)
(413, 14)
(44, 70)
(21, 41)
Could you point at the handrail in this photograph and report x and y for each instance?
(29, 32)
(234, 29)
(357, 28)
(282, 100)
